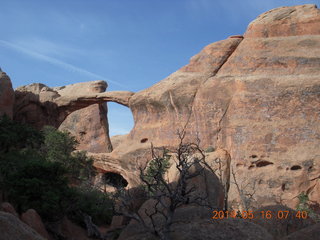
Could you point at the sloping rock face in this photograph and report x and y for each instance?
(256, 97)
(166, 107)
(12, 228)
(6, 95)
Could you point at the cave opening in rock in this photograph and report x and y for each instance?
(115, 180)
(263, 163)
(295, 167)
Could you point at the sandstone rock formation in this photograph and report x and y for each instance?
(69, 107)
(90, 127)
(257, 97)
(12, 228)
(6, 95)
(40, 105)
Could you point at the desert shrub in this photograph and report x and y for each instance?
(209, 149)
(16, 136)
(59, 147)
(304, 205)
(155, 170)
(41, 185)
(92, 202)
(38, 168)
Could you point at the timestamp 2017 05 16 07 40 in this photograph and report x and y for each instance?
(281, 214)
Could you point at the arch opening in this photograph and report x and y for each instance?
(120, 119)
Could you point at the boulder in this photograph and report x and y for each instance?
(282, 222)
(65, 229)
(194, 223)
(6, 95)
(309, 233)
(33, 219)
(7, 207)
(12, 228)
(206, 183)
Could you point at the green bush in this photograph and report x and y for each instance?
(38, 168)
(209, 149)
(40, 185)
(97, 204)
(157, 167)
(304, 205)
(16, 136)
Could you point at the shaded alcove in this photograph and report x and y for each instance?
(114, 179)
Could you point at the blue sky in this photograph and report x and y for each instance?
(131, 44)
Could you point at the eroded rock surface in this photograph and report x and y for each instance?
(256, 97)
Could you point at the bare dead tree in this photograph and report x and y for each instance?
(167, 197)
(246, 196)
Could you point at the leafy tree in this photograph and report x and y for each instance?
(88, 201)
(59, 147)
(16, 136)
(306, 205)
(40, 185)
(39, 168)
(155, 170)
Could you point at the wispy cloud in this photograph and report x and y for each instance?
(43, 57)
(48, 48)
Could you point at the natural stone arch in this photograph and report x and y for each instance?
(51, 106)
